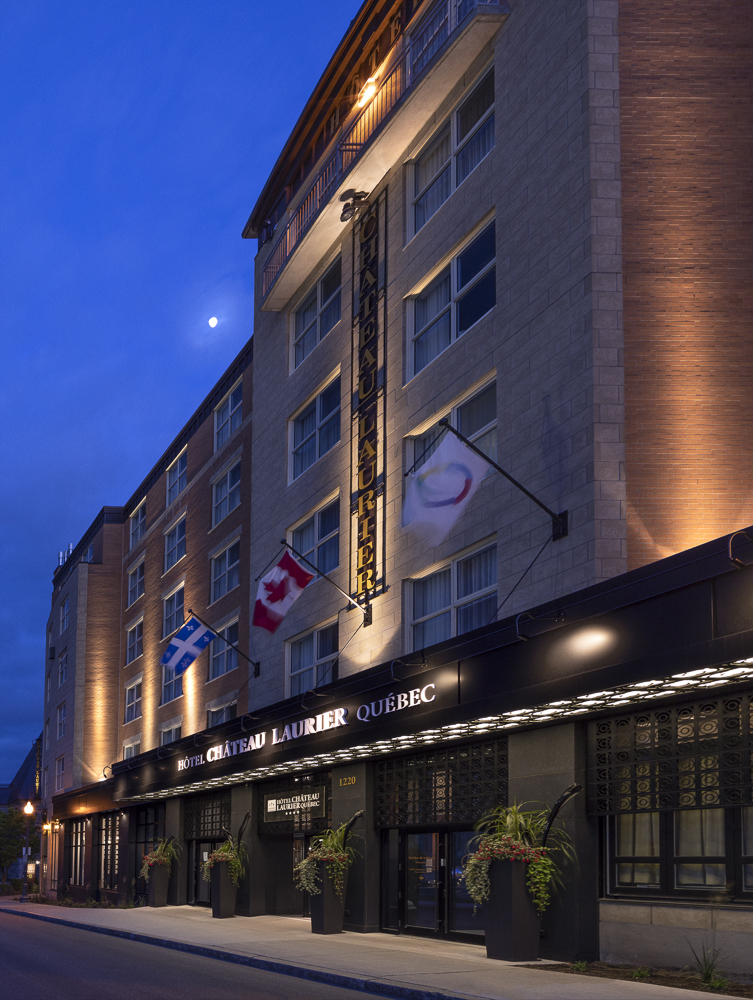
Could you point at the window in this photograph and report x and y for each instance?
(318, 538)
(476, 418)
(64, 615)
(133, 701)
(226, 571)
(63, 668)
(318, 314)
(312, 659)
(131, 750)
(462, 143)
(169, 735)
(172, 686)
(228, 416)
(59, 774)
(227, 493)
(224, 714)
(455, 300)
(135, 584)
(106, 826)
(690, 852)
(172, 614)
(316, 429)
(47, 735)
(138, 524)
(176, 477)
(76, 850)
(224, 658)
(89, 555)
(135, 646)
(456, 599)
(45, 786)
(175, 544)
(61, 720)
(49, 684)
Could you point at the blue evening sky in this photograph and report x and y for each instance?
(135, 136)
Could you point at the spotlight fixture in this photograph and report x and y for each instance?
(367, 92)
(353, 201)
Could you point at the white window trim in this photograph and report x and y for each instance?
(450, 411)
(302, 635)
(131, 683)
(226, 622)
(137, 621)
(59, 719)
(296, 413)
(129, 741)
(131, 544)
(314, 282)
(227, 464)
(217, 408)
(183, 452)
(65, 611)
(165, 597)
(64, 654)
(216, 553)
(129, 573)
(172, 527)
(215, 482)
(335, 495)
(163, 684)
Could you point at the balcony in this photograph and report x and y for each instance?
(418, 74)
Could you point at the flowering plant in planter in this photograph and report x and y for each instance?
(232, 853)
(330, 848)
(163, 854)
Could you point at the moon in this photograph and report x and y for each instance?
(213, 322)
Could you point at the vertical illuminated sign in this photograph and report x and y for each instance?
(366, 403)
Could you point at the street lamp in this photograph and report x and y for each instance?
(28, 809)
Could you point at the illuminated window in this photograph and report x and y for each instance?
(456, 599)
(172, 613)
(76, 849)
(461, 144)
(106, 847)
(138, 524)
(226, 571)
(312, 659)
(63, 668)
(64, 615)
(61, 720)
(177, 477)
(135, 644)
(133, 701)
(59, 774)
(224, 658)
(318, 538)
(318, 314)
(228, 416)
(475, 417)
(316, 429)
(464, 292)
(135, 584)
(175, 544)
(227, 493)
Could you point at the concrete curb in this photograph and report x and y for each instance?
(371, 986)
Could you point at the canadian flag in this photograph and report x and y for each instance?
(278, 590)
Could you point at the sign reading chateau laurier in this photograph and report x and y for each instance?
(367, 356)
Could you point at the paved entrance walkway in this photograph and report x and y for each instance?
(383, 964)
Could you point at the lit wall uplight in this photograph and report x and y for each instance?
(590, 640)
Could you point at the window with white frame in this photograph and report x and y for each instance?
(135, 584)
(169, 735)
(61, 720)
(228, 416)
(318, 538)
(312, 659)
(172, 613)
(456, 599)
(133, 701)
(172, 686)
(316, 429)
(64, 615)
(475, 418)
(224, 658)
(227, 493)
(175, 544)
(225, 714)
(131, 750)
(63, 668)
(464, 292)
(138, 524)
(176, 477)
(135, 644)
(59, 774)
(454, 152)
(318, 314)
(226, 574)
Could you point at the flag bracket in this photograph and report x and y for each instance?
(254, 663)
(559, 521)
(364, 608)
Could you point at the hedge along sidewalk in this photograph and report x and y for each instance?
(420, 968)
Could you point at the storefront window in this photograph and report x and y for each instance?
(699, 835)
(637, 837)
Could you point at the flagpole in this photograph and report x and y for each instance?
(559, 521)
(364, 608)
(254, 664)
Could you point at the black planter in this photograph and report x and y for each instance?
(223, 891)
(327, 909)
(511, 923)
(159, 879)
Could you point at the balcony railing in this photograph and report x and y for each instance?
(417, 51)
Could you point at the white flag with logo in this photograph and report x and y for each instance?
(441, 489)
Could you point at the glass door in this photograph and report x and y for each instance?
(422, 881)
(198, 888)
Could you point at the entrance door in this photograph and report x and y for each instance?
(198, 888)
(421, 891)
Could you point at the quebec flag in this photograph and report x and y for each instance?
(441, 489)
(186, 645)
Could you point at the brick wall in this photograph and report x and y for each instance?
(685, 80)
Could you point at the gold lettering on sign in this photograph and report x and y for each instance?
(366, 405)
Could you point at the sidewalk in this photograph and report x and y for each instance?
(411, 968)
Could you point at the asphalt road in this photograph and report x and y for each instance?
(50, 962)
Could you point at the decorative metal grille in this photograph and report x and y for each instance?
(206, 817)
(450, 785)
(682, 757)
(303, 822)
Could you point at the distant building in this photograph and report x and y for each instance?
(531, 221)
(26, 786)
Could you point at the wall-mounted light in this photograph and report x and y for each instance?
(367, 92)
(353, 201)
